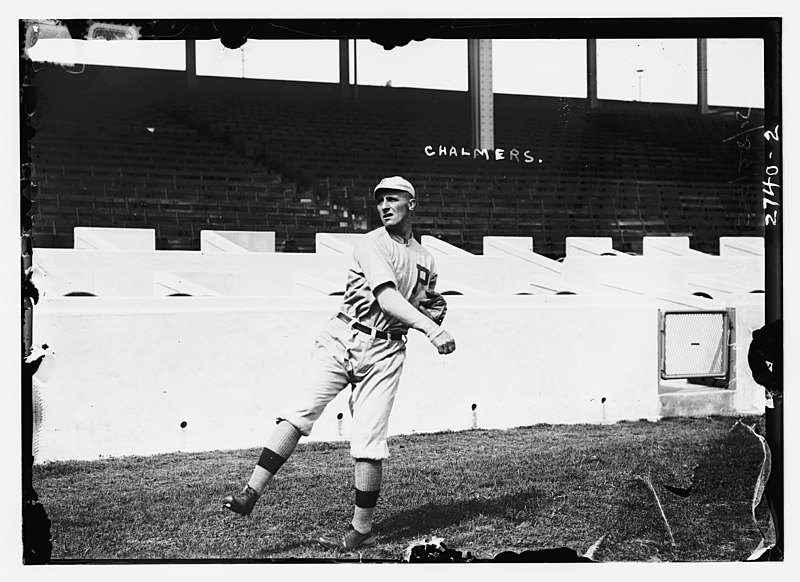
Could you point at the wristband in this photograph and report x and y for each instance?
(435, 332)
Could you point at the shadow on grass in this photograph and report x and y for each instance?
(435, 516)
(429, 518)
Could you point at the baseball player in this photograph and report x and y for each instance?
(390, 288)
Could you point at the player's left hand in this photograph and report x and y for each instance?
(434, 306)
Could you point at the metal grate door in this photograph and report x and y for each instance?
(694, 344)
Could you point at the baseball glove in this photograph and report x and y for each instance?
(434, 306)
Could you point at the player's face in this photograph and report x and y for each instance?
(394, 208)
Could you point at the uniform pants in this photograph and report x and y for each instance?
(341, 357)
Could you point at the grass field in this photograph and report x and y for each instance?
(482, 491)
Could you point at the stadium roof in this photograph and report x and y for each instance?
(390, 33)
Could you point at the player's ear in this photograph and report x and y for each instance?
(412, 203)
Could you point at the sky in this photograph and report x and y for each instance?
(652, 70)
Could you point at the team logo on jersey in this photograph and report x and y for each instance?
(423, 277)
(423, 280)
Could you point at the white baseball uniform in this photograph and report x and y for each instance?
(343, 355)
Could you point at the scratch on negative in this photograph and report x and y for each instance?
(649, 483)
(593, 548)
(763, 475)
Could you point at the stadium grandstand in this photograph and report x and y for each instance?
(137, 148)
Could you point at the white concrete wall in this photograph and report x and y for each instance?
(135, 274)
(133, 364)
(525, 270)
(589, 246)
(748, 396)
(236, 241)
(142, 274)
(506, 271)
(114, 239)
(440, 248)
(665, 272)
(129, 371)
(741, 245)
(668, 245)
(330, 243)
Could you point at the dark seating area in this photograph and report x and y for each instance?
(137, 148)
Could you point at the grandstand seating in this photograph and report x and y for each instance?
(138, 148)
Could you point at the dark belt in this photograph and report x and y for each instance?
(392, 335)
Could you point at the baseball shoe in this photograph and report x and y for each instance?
(241, 503)
(351, 541)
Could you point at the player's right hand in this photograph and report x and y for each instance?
(444, 342)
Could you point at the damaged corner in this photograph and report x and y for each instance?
(37, 543)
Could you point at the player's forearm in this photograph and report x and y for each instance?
(397, 306)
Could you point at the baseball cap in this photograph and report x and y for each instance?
(395, 183)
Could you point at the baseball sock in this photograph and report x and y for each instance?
(368, 484)
(280, 445)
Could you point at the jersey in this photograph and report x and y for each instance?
(378, 259)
